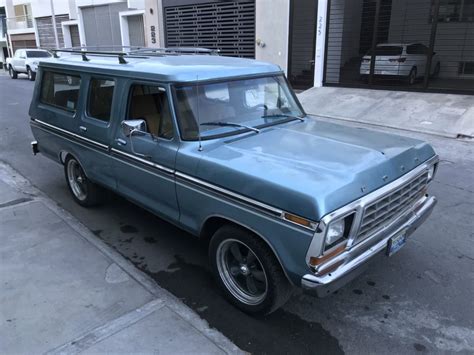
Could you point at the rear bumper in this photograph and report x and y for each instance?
(321, 286)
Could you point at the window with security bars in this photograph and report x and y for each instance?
(227, 26)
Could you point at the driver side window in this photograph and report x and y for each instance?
(151, 104)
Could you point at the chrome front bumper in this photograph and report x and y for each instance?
(323, 285)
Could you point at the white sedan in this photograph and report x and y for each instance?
(400, 60)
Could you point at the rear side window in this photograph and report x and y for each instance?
(101, 92)
(60, 90)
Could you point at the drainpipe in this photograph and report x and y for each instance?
(321, 25)
(55, 30)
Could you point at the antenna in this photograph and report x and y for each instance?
(198, 116)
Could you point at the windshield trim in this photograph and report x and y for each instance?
(236, 131)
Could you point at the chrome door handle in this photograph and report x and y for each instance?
(82, 128)
(121, 141)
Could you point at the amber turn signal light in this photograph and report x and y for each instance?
(316, 261)
(298, 220)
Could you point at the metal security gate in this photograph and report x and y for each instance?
(401, 44)
(225, 25)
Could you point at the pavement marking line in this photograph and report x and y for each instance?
(102, 332)
(13, 178)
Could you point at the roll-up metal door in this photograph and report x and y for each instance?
(136, 31)
(102, 25)
(402, 44)
(228, 26)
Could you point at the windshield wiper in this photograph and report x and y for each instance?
(279, 115)
(230, 124)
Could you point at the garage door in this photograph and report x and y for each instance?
(102, 25)
(228, 26)
(23, 41)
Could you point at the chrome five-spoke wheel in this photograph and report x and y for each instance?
(83, 190)
(77, 180)
(247, 270)
(242, 272)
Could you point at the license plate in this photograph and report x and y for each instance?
(396, 242)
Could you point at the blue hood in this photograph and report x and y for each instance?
(309, 168)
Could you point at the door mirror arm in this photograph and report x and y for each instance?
(138, 133)
(134, 127)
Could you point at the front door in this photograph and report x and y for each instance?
(144, 163)
(302, 43)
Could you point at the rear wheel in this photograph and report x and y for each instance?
(247, 271)
(31, 74)
(13, 73)
(84, 192)
(411, 79)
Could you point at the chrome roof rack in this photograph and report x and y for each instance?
(132, 52)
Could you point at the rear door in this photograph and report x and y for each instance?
(144, 164)
(101, 105)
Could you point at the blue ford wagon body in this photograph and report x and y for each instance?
(222, 148)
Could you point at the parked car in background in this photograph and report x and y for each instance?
(26, 61)
(222, 148)
(401, 61)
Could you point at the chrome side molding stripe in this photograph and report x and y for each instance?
(104, 146)
(228, 193)
(144, 161)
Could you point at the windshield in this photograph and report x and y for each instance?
(232, 106)
(38, 54)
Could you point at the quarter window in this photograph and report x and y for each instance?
(101, 92)
(151, 104)
(60, 90)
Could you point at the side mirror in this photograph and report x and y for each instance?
(134, 127)
(131, 127)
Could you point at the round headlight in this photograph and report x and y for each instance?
(335, 232)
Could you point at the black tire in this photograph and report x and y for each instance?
(13, 73)
(411, 78)
(31, 74)
(277, 287)
(91, 194)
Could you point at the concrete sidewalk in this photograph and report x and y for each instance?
(64, 291)
(446, 115)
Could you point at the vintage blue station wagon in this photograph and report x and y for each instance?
(222, 148)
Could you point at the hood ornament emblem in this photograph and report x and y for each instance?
(385, 177)
(363, 188)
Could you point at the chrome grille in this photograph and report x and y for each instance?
(381, 212)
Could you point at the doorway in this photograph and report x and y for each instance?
(303, 14)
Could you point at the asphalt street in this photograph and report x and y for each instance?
(419, 300)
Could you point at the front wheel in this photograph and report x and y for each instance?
(13, 73)
(84, 192)
(247, 271)
(31, 75)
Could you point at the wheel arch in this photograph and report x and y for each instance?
(64, 155)
(214, 222)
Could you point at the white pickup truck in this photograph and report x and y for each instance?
(25, 61)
